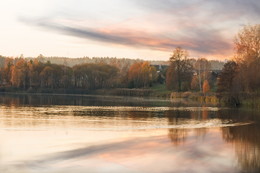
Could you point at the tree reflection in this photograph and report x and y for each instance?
(246, 142)
(77, 100)
(177, 135)
(201, 115)
(245, 138)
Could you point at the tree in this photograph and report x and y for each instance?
(195, 83)
(94, 76)
(34, 69)
(7, 71)
(206, 87)
(19, 75)
(227, 76)
(180, 71)
(247, 45)
(66, 76)
(47, 77)
(141, 74)
(202, 67)
(229, 83)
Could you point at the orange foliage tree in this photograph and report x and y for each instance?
(19, 73)
(206, 87)
(141, 74)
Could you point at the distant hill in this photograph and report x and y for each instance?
(119, 62)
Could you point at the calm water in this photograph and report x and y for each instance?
(63, 134)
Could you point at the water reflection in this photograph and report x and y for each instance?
(245, 139)
(68, 134)
(246, 142)
(81, 100)
(88, 100)
(177, 135)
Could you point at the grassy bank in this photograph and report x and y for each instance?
(196, 96)
(243, 100)
(158, 90)
(252, 103)
(248, 101)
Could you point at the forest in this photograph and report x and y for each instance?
(30, 74)
(26, 74)
(231, 81)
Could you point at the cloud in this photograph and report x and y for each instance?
(215, 14)
(202, 41)
(220, 7)
(203, 27)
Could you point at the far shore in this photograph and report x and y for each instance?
(120, 92)
(248, 101)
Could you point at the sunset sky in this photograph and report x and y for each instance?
(146, 29)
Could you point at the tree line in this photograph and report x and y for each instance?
(181, 75)
(26, 74)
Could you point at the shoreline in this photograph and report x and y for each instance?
(252, 102)
(147, 92)
(122, 92)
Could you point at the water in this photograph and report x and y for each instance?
(46, 133)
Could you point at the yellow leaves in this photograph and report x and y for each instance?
(141, 74)
(247, 43)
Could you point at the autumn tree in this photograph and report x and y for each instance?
(247, 45)
(206, 87)
(7, 71)
(19, 75)
(202, 68)
(94, 76)
(180, 71)
(141, 74)
(240, 76)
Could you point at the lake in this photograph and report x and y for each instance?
(68, 134)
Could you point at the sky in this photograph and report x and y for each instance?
(145, 29)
